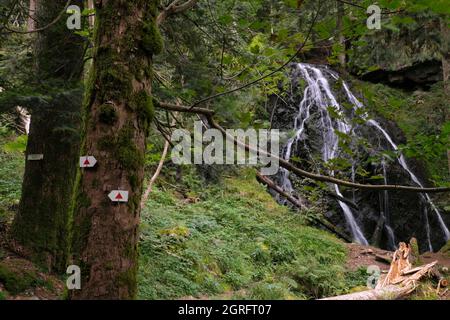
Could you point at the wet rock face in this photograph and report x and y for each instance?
(385, 218)
(418, 76)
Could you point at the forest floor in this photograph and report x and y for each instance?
(210, 239)
(361, 257)
(20, 279)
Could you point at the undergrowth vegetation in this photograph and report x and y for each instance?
(422, 117)
(233, 241)
(12, 163)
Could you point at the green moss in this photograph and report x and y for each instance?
(128, 279)
(127, 153)
(105, 143)
(446, 249)
(133, 181)
(3, 295)
(152, 41)
(142, 103)
(153, 7)
(17, 279)
(415, 252)
(83, 200)
(235, 238)
(115, 83)
(107, 114)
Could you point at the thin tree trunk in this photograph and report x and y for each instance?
(341, 37)
(445, 36)
(119, 110)
(31, 15)
(155, 175)
(40, 228)
(91, 16)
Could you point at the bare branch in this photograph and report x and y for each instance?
(288, 166)
(297, 203)
(384, 11)
(61, 14)
(251, 83)
(155, 175)
(174, 8)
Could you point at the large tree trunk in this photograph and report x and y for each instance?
(119, 110)
(40, 228)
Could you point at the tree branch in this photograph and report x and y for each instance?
(288, 166)
(268, 74)
(297, 203)
(43, 28)
(155, 175)
(384, 11)
(174, 8)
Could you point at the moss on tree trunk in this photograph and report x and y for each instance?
(118, 112)
(40, 228)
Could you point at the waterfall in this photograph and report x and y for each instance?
(386, 213)
(426, 198)
(318, 93)
(317, 99)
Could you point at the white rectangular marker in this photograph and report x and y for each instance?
(87, 162)
(118, 196)
(35, 157)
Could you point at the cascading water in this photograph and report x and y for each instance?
(425, 197)
(318, 99)
(318, 94)
(385, 211)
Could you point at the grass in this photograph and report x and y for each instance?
(223, 239)
(11, 172)
(235, 242)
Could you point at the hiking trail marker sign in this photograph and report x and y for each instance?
(118, 196)
(87, 162)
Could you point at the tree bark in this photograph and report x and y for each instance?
(31, 15)
(445, 51)
(91, 18)
(118, 113)
(155, 175)
(40, 229)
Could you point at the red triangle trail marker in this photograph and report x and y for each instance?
(118, 196)
(87, 162)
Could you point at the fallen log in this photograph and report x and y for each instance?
(391, 292)
(383, 258)
(400, 281)
(342, 199)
